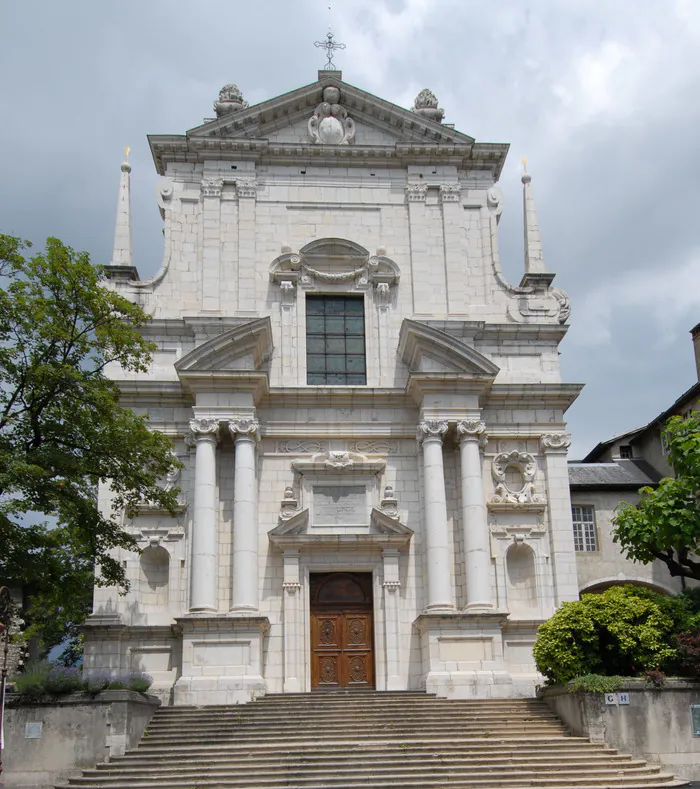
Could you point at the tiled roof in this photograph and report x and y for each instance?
(622, 474)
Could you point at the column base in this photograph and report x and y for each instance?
(479, 607)
(221, 660)
(463, 655)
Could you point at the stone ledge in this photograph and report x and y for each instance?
(15, 700)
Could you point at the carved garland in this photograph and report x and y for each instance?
(290, 269)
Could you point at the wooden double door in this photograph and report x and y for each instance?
(342, 654)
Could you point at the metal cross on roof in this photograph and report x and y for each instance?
(329, 45)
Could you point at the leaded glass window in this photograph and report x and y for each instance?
(335, 340)
(585, 536)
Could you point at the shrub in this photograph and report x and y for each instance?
(689, 652)
(595, 683)
(622, 631)
(61, 680)
(96, 683)
(32, 682)
(140, 682)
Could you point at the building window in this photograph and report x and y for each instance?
(585, 537)
(335, 340)
(625, 451)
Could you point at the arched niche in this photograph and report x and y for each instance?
(521, 580)
(154, 579)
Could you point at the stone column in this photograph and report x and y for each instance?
(203, 576)
(391, 585)
(245, 516)
(293, 641)
(561, 530)
(475, 530)
(437, 551)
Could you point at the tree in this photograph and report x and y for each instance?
(665, 524)
(63, 432)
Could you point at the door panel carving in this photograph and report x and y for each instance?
(341, 631)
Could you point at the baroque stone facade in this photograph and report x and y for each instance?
(421, 445)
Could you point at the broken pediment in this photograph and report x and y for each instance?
(383, 531)
(425, 349)
(245, 347)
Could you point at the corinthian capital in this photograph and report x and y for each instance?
(431, 429)
(244, 427)
(472, 430)
(555, 441)
(204, 429)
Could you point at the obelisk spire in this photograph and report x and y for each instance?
(534, 259)
(122, 263)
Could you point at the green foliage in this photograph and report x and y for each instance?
(665, 524)
(595, 683)
(63, 433)
(32, 681)
(62, 679)
(41, 680)
(622, 631)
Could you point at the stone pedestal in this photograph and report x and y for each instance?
(221, 660)
(463, 655)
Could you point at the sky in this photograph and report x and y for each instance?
(600, 96)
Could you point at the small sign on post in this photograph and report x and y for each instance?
(695, 719)
(623, 698)
(611, 698)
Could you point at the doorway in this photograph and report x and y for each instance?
(342, 654)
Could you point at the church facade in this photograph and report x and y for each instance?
(369, 417)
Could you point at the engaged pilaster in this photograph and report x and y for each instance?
(203, 589)
(477, 552)
(391, 585)
(430, 435)
(555, 447)
(245, 432)
(293, 623)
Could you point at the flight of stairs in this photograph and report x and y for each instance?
(367, 740)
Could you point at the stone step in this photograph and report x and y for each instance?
(339, 734)
(334, 777)
(560, 750)
(427, 781)
(368, 740)
(227, 726)
(338, 766)
(320, 762)
(261, 714)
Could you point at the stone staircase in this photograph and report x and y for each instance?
(367, 740)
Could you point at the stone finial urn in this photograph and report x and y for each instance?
(426, 104)
(230, 100)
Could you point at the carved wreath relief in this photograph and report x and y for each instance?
(506, 468)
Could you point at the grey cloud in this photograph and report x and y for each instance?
(616, 193)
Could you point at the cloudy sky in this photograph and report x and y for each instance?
(602, 98)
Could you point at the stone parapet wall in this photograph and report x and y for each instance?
(47, 742)
(655, 725)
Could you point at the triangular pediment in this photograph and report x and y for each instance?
(284, 119)
(243, 348)
(425, 349)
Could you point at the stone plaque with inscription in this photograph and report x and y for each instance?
(340, 505)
